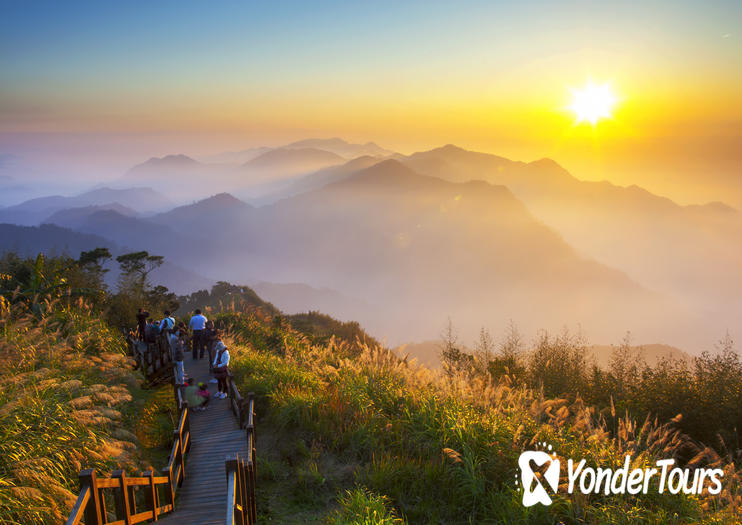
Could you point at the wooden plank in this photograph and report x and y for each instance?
(79, 507)
(142, 516)
(133, 482)
(108, 483)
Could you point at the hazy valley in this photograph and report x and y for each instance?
(402, 243)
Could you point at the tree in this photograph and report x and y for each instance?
(452, 357)
(483, 351)
(135, 268)
(625, 369)
(160, 298)
(508, 360)
(92, 262)
(559, 364)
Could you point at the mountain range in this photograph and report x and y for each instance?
(35, 211)
(404, 241)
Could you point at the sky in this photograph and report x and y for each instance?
(90, 88)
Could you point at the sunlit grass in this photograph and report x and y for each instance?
(443, 449)
(65, 405)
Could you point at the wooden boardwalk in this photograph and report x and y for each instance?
(215, 434)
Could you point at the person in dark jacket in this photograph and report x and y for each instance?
(210, 337)
(151, 331)
(141, 323)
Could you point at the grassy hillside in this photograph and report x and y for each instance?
(362, 437)
(70, 400)
(347, 431)
(69, 396)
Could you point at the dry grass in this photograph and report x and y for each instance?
(64, 381)
(445, 449)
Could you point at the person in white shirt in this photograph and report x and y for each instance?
(197, 325)
(221, 369)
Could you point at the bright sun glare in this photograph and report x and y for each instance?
(593, 102)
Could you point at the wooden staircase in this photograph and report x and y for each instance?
(210, 476)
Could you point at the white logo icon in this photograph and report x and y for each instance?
(533, 491)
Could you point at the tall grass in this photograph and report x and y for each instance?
(65, 390)
(445, 449)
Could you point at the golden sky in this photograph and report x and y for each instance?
(488, 76)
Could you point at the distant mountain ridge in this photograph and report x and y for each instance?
(341, 147)
(386, 231)
(179, 175)
(477, 234)
(73, 217)
(32, 212)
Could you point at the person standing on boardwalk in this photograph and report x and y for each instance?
(172, 338)
(221, 369)
(210, 336)
(141, 323)
(178, 356)
(167, 323)
(197, 325)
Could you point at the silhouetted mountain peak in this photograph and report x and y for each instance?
(547, 164)
(342, 147)
(713, 207)
(167, 164)
(286, 155)
(450, 148)
(386, 170)
(172, 160)
(312, 143)
(223, 200)
(73, 217)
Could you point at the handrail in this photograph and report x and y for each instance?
(90, 504)
(241, 473)
(153, 358)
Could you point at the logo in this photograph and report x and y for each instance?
(540, 471)
(533, 488)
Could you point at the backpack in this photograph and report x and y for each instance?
(222, 371)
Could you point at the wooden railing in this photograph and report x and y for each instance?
(158, 491)
(241, 471)
(154, 358)
(240, 406)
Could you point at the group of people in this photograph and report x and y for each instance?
(204, 338)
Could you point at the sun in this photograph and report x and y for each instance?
(593, 102)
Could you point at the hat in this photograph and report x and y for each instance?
(201, 385)
(220, 346)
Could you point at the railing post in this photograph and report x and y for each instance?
(169, 489)
(176, 393)
(245, 493)
(251, 504)
(186, 426)
(230, 467)
(243, 412)
(251, 426)
(93, 515)
(150, 494)
(122, 497)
